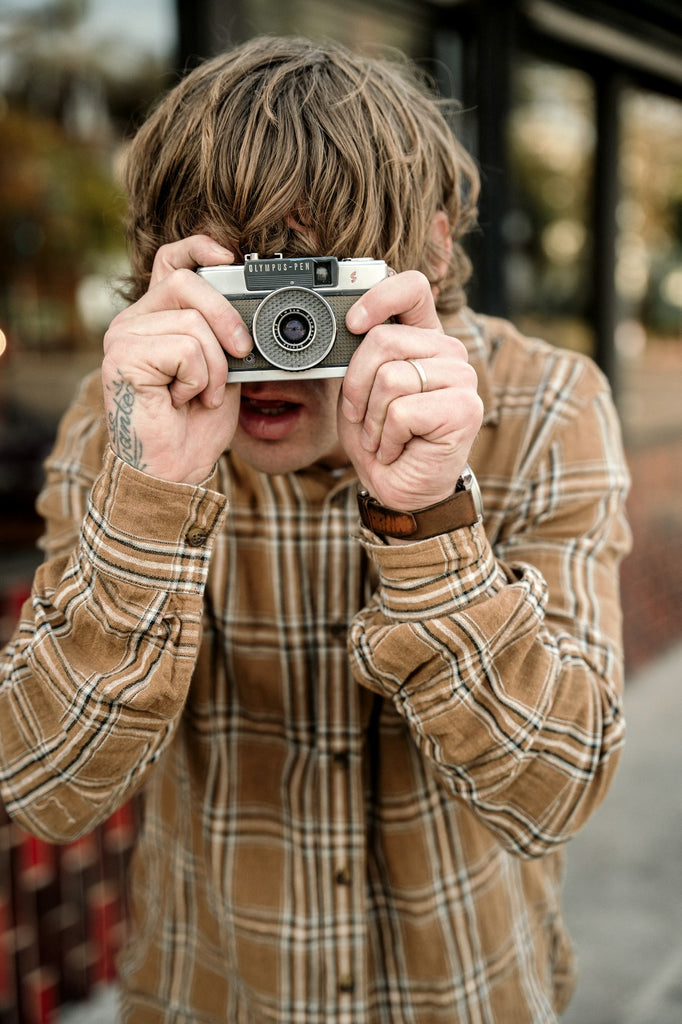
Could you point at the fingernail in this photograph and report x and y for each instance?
(218, 397)
(226, 254)
(242, 341)
(357, 319)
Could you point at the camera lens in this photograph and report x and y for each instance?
(294, 329)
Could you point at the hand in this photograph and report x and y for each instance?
(409, 444)
(170, 411)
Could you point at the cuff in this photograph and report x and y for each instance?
(149, 532)
(435, 576)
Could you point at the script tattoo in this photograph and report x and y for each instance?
(123, 438)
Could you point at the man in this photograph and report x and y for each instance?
(361, 748)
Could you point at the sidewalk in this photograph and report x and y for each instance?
(623, 896)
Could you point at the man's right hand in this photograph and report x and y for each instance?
(170, 411)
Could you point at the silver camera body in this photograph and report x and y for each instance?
(295, 309)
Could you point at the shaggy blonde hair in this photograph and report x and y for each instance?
(282, 140)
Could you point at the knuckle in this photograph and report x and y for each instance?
(416, 279)
(474, 406)
(382, 340)
(113, 335)
(163, 255)
(412, 279)
(388, 377)
(458, 348)
(183, 278)
(194, 321)
(188, 347)
(469, 377)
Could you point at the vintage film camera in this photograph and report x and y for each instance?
(296, 311)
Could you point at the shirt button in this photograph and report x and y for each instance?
(343, 877)
(339, 630)
(341, 758)
(197, 536)
(346, 984)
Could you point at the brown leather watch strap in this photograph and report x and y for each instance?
(450, 514)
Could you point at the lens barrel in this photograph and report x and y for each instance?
(294, 328)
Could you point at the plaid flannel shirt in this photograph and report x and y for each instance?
(360, 762)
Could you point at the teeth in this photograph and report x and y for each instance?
(269, 409)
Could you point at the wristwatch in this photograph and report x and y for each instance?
(463, 508)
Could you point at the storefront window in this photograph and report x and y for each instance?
(548, 228)
(549, 234)
(649, 267)
(354, 23)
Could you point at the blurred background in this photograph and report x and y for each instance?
(573, 111)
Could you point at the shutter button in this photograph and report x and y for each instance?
(197, 536)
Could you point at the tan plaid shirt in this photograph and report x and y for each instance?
(360, 762)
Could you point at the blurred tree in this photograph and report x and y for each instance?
(59, 212)
(68, 97)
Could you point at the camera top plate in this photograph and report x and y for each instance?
(319, 273)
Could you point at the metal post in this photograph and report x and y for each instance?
(606, 197)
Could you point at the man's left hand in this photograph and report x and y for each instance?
(409, 440)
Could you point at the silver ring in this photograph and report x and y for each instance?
(422, 375)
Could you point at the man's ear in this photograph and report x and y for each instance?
(440, 246)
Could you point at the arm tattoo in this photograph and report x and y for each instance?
(123, 438)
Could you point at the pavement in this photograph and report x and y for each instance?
(623, 894)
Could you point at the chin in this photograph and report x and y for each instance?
(276, 457)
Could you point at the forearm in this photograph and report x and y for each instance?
(521, 719)
(99, 667)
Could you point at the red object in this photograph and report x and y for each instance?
(17, 594)
(36, 860)
(105, 929)
(6, 970)
(42, 996)
(80, 854)
(119, 829)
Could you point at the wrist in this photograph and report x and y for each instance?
(461, 509)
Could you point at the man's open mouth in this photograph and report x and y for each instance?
(268, 407)
(269, 419)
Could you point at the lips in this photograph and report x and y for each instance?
(269, 417)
